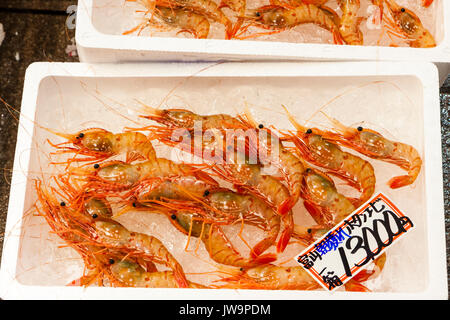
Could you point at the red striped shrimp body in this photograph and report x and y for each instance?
(100, 144)
(249, 209)
(186, 20)
(114, 234)
(380, 5)
(314, 148)
(207, 8)
(177, 188)
(410, 24)
(272, 277)
(326, 205)
(374, 145)
(182, 118)
(132, 275)
(121, 175)
(98, 239)
(349, 22)
(281, 17)
(216, 243)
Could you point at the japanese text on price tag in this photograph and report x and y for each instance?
(357, 240)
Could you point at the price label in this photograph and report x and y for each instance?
(353, 243)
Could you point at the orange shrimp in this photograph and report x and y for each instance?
(100, 144)
(186, 20)
(410, 24)
(314, 148)
(272, 277)
(281, 17)
(349, 22)
(246, 177)
(232, 206)
(206, 8)
(119, 175)
(133, 275)
(374, 145)
(216, 243)
(248, 208)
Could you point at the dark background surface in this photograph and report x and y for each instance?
(36, 31)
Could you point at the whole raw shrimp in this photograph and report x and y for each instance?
(314, 148)
(410, 24)
(216, 243)
(99, 144)
(226, 206)
(374, 145)
(114, 234)
(245, 176)
(281, 17)
(133, 275)
(272, 277)
(186, 20)
(349, 22)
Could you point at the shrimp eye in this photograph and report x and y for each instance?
(134, 204)
(111, 261)
(309, 131)
(402, 10)
(81, 135)
(261, 126)
(309, 230)
(62, 204)
(206, 193)
(241, 269)
(173, 217)
(95, 216)
(96, 166)
(258, 14)
(308, 170)
(359, 128)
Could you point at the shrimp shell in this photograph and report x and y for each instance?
(374, 145)
(114, 234)
(349, 22)
(410, 24)
(101, 144)
(132, 275)
(216, 243)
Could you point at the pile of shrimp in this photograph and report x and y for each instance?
(231, 186)
(240, 21)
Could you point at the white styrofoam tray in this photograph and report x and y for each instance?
(96, 44)
(400, 99)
